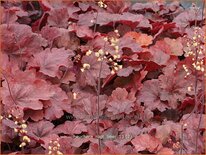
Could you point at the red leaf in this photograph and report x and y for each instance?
(146, 142)
(40, 129)
(18, 39)
(128, 42)
(65, 143)
(163, 133)
(81, 31)
(107, 18)
(58, 18)
(49, 61)
(160, 27)
(150, 94)
(154, 6)
(57, 105)
(35, 115)
(50, 33)
(189, 15)
(26, 94)
(170, 46)
(150, 65)
(158, 56)
(89, 76)
(141, 38)
(112, 148)
(71, 128)
(120, 102)
(187, 103)
(117, 6)
(85, 106)
(174, 86)
(10, 15)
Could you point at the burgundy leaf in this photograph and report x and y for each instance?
(27, 95)
(120, 102)
(58, 18)
(71, 128)
(150, 94)
(89, 76)
(127, 18)
(118, 6)
(128, 42)
(81, 31)
(158, 56)
(174, 87)
(57, 105)
(40, 129)
(189, 15)
(154, 6)
(35, 115)
(146, 142)
(85, 107)
(18, 39)
(49, 61)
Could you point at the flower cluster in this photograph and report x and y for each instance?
(101, 4)
(54, 147)
(195, 50)
(20, 129)
(85, 67)
(111, 58)
(176, 146)
(116, 56)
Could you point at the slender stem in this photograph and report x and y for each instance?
(201, 112)
(9, 147)
(203, 7)
(203, 100)
(114, 25)
(196, 72)
(22, 149)
(9, 88)
(32, 6)
(95, 25)
(196, 13)
(98, 91)
(181, 148)
(98, 104)
(7, 16)
(20, 49)
(98, 100)
(196, 81)
(194, 109)
(196, 99)
(196, 57)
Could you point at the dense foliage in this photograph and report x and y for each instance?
(58, 56)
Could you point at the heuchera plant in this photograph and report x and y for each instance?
(102, 77)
